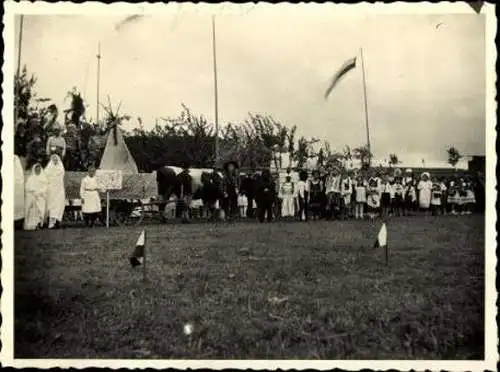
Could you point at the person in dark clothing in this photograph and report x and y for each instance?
(266, 196)
(316, 189)
(210, 192)
(184, 191)
(479, 191)
(249, 189)
(231, 188)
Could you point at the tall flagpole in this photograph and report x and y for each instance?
(366, 105)
(98, 80)
(215, 93)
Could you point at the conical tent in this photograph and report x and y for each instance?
(116, 154)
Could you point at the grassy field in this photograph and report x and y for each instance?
(254, 291)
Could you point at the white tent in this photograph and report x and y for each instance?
(116, 155)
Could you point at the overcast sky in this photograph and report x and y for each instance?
(425, 74)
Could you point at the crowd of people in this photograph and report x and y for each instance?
(330, 194)
(333, 194)
(40, 196)
(36, 138)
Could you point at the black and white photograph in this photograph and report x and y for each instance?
(255, 185)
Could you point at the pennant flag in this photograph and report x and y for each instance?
(138, 256)
(346, 67)
(381, 238)
(476, 5)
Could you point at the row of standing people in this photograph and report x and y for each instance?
(345, 194)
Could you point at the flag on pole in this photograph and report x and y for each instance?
(381, 238)
(138, 255)
(346, 67)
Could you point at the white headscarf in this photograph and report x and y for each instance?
(54, 172)
(426, 174)
(36, 182)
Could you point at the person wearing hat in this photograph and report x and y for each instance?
(231, 187)
(425, 192)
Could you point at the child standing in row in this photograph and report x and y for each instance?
(360, 191)
(399, 194)
(436, 196)
(346, 193)
(385, 188)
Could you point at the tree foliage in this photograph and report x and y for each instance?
(454, 156)
(364, 155)
(393, 160)
(185, 139)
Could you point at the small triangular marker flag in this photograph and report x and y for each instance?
(476, 5)
(138, 255)
(382, 237)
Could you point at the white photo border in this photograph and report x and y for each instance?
(92, 8)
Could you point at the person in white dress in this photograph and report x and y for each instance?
(56, 195)
(425, 191)
(287, 195)
(35, 190)
(242, 205)
(91, 200)
(360, 197)
(18, 190)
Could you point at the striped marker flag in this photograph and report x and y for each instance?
(346, 67)
(138, 256)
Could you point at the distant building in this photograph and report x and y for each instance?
(477, 164)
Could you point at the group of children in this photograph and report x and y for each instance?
(341, 195)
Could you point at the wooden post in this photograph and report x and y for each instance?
(107, 209)
(144, 257)
(98, 80)
(386, 255)
(366, 106)
(216, 93)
